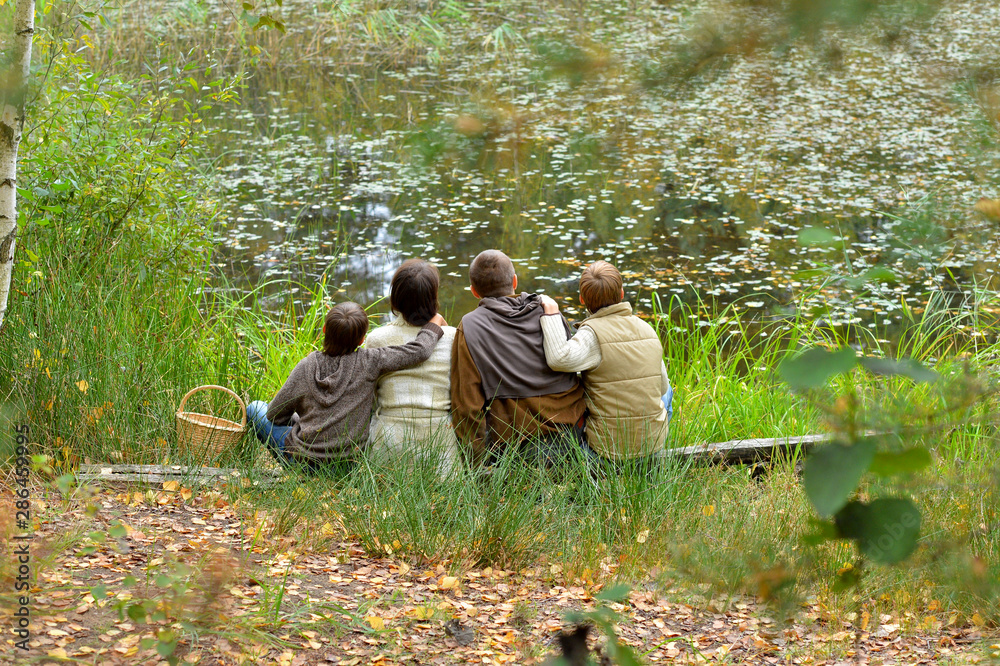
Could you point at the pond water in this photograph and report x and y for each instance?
(355, 153)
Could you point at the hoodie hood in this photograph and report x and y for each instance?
(513, 307)
(504, 337)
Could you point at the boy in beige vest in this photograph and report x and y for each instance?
(628, 394)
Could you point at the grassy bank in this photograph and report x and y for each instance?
(102, 383)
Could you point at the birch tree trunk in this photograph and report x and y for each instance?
(11, 123)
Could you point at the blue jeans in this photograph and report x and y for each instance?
(668, 403)
(272, 436)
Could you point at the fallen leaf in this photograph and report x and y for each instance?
(990, 208)
(422, 613)
(375, 622)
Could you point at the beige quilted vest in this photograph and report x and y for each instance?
(627, 418)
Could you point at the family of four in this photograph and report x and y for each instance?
(511, 375)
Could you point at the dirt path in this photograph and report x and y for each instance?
(216, 584)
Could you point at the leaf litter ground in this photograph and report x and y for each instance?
(238, 592)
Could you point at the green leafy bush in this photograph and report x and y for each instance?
(112, 167)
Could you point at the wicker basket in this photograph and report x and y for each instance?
(207, 436)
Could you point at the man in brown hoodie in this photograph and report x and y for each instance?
(502, 390)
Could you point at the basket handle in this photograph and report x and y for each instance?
(243, 407)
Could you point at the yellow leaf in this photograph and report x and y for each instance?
(301, 493)
(642, 536)
(404, 568)
(422, 612)
(171, 486)
(990, 208)
(57, 653)
(83, 385)
(978, 620)
(375, 622)
(448, 583)
(327, 530)
(186, 494)
(708, 509)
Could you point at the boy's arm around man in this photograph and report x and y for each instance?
(580, 353)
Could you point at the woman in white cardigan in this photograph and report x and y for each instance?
(412, 407)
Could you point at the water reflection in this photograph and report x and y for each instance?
(348, 170)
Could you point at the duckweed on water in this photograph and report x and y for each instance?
(368, 134)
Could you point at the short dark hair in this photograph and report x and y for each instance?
(413, 292)
(346, 325)
(491, 273)
(600, 285)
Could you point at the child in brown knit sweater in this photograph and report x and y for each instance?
(322, 412)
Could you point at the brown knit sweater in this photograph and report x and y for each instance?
(328, 399)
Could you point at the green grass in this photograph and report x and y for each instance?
(139, 349)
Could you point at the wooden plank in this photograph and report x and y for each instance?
(172, 470)
(181, 473)
(748, 450)
(734, 451)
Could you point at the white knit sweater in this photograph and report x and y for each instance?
(412, 406)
